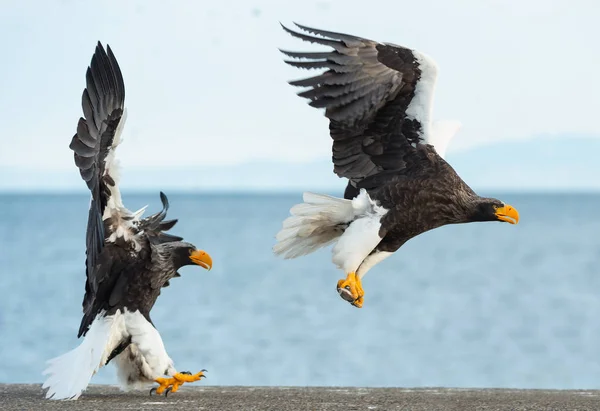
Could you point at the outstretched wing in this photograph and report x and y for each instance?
(378, 98)
(94, 144)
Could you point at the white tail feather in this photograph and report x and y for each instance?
(318, 222)
(70, 373)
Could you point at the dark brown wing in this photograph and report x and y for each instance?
(97, 136)
(368, 92)
(115, 265)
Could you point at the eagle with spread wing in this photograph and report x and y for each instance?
(129, 258)
(378, 99)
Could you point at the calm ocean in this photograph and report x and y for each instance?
(476, 305)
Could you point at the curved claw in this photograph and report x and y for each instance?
(152, 390)
(358, 303)
(185, 372)
(167, 391)
(350, 289)
(203, 370)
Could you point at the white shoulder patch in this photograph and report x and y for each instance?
(421, 105)
(122, 218)
(119, 131)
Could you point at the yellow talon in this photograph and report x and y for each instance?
(184, 377)
(171, 385)
(351, 290)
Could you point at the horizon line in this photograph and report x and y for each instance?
(275, 191)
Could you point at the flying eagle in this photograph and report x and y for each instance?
(378, 99)
(129, 258)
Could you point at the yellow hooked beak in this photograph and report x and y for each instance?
(201, 258)
(508, 214)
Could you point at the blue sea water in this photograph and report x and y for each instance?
(475, 305)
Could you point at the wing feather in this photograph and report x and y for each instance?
(377, 97)
(93, 147)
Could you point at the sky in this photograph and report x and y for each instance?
(206, 84)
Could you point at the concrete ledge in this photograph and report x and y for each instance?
(99, 397)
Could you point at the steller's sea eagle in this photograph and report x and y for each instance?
(129, 258)
(378, 99)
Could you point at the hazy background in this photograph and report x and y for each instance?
(210, 111)
(209, 106)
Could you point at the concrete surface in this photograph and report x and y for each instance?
(194, 397)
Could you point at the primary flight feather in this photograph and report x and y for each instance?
(128, 258)
(378, 99)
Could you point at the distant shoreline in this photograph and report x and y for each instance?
(267, 192)
(103, 397)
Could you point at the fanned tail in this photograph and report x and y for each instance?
(70, 374)
(316, 223)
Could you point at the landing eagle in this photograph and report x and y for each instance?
(378, 99)
(129, 258)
